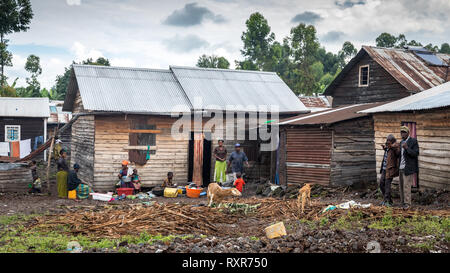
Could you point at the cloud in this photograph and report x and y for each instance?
(332, 36)
(307, 17)
(348, 3)
(82, 53)
(73, 2)
(185, 44)
(192, 14)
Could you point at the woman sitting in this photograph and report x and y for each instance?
(74, 183)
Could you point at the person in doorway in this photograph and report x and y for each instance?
(237, 160)
(409, 165)
(220, 169)
(239, 182)
(62, 174)
(389, 168)
(74, 183)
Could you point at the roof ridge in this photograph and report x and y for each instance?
(222, 69)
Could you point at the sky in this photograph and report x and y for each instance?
(156, 34)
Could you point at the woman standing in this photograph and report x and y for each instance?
(62, 174)
(220, 170)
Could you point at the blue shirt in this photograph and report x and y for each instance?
(237, 161)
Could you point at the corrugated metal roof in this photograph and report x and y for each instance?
(435, 97)
(219, 88)
(131, 90)
(404, 65)
(315, 102)
(330, 116)
(24, 107)
(409, 69)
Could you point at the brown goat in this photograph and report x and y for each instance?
(216, 194)
(304, 194)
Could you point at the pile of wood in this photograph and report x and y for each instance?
(162, 219)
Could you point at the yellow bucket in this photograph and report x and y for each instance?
(170, 192)
(72, 194)
(275, 231)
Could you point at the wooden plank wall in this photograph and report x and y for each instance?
(111, 137)
(433, 135)
(15, 179)
(82, 147)
(310, 147)
(353, 159)
(382, 86)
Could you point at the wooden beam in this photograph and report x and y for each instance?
(138, 131)
(142, 148)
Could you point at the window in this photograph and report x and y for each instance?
(364, 75)
(12, 133)
(141, 139)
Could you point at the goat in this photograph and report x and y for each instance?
(304, 194)
(216, 194)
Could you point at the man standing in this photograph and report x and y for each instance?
(389, 168)
(236, 160)
(408, 165)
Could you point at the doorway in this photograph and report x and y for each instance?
(204, 156)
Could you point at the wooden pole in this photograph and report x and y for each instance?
(50, 161)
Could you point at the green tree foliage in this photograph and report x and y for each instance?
(390, 41)
(386, 40)
(62, 81)
(15, 16)
(213, 61)
(347, 52)
(258, 40)
(33, 66)
(445, 48)
(7, 90)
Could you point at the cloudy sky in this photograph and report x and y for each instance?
(156, 34)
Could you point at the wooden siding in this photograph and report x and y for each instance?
(111, 136)
(382, 86)
(308, 155)
(29, 128)
(433, 136)
(15, 177)
(353, 159)
(82, 147)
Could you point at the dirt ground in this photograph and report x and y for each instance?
(139, 228)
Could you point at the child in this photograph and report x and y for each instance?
(136, 181)
(239, 183)
(36, 188)
(168, 181)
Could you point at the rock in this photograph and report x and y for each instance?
(401, 240)
(159, 251)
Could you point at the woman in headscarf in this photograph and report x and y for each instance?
(62, 174)
(220, 169)
(74, 183)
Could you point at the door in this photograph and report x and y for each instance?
(200, 149)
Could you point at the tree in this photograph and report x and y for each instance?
(257, 43)
(15, 16)
(62, 81)
(33, 66)
(386, 40)
(445, 48)
(213, 61)
(347, 52)
(51, 94)
(7, 90)
(304, 45)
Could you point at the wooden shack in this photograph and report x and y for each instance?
(332, 147)
(15, 177)
(130, 113)
(427, 114)
(386, 74)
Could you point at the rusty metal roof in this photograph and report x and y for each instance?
(315, 102)
(331, 116)
(57, 115)
(404, 65)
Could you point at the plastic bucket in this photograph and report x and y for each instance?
(126, 191)
(170, 192)
(193, 193)
(72, 194)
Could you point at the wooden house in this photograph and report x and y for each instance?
(387, 74)
(22, 119)
(332, 147)
(58, 119)
(427, 114)
(130, 113)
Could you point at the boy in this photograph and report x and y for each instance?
(36, 188)
(239, 183)
(136, 181)
(168, 181)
